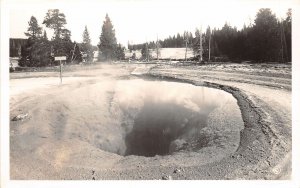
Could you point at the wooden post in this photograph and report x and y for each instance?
(60, 58)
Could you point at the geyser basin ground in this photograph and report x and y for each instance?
(156, 122)
(68, 124)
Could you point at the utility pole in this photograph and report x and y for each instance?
(201, 48)
(186, 42)
(147, 51)
(157, 47)
(209, 45)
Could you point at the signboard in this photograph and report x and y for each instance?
(60, 58)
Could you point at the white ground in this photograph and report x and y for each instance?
(165, 53)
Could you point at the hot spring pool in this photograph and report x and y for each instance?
(162, 118)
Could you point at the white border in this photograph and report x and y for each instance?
(4, 97)
(5, 182)
(296, 94)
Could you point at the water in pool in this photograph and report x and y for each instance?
(160, 117)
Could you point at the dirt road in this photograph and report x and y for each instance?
(59, 138)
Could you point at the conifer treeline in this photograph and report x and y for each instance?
(267, 39)
(40, 51)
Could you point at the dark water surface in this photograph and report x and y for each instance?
(161, 117)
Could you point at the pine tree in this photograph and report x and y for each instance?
(56, 21)
(108, 41)
(34, 30)
(86, 36)
(87, 48)
(227, 41)
(61, 41)
(36, 52)
(265, 36)
(196, 43)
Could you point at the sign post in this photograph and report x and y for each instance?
(60, 58)
(60, 75)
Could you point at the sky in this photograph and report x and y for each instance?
(137, 21)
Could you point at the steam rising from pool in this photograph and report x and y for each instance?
(162, 118)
